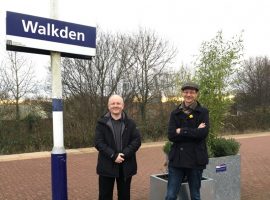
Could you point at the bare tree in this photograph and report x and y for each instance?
(134, 66)
(251, 106)
(152, 56)
(112, 63)
(4, 95)
(88, 84)
(4, 87)
(102, 76)
(18, 75)
(253, 84)
(173, 80)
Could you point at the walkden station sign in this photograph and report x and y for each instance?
(33, 34)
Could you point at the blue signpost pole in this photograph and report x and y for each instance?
(51, 36)
(58, 155)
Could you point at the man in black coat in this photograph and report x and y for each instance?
(117, 139)
(188, 129)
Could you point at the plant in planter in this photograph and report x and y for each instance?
(224, 147)
(166, 149)
(215, 66)
(158, 183)
(223, 168)
(219, 147)
(217, 61)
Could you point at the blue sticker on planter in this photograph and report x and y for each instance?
(221, 168)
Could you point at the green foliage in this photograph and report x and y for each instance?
(216, 64)
(219, 147)
(166, 147)
(224, 147)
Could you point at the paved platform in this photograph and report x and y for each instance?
(28, 176)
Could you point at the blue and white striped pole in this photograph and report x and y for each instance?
(58, 155)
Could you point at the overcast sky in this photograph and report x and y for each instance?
(186, 24)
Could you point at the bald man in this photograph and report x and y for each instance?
(117, 140)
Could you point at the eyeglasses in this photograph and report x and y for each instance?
(189, 92)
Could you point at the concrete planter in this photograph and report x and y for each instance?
(225, 171)
(158, 188)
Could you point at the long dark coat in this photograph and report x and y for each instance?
(189, 149)
(105, 144)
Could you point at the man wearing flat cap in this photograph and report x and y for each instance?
(187, 130)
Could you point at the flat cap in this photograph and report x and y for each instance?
(190, 85)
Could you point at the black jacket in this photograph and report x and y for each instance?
(105, 144)
(189, 148)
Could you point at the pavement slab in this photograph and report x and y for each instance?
(28, 176)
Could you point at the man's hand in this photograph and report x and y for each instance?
(202, 125)
(120, 158)
(178, 131)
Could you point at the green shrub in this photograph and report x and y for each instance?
(220, 147)
(166, 147)
(224, 147)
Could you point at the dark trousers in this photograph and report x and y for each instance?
(106, 185)
(176, 176)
